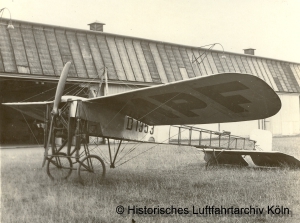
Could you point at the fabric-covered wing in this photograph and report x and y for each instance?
(33, 109)
(227, 97)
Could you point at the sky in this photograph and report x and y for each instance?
(272, 27)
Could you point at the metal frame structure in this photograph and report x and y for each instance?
(217, 141)
(73, 153)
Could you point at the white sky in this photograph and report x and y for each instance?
(272, 27)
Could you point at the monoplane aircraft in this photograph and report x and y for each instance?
(135, 115)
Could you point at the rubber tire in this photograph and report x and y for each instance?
(84, 176)
(67, 163)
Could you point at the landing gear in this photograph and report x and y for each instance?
(73, 153)
(211, 159)
(59, 166)
(91, 169)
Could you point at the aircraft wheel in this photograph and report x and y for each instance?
(91, 169)
(59, 166)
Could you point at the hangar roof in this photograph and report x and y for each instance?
(38, 51)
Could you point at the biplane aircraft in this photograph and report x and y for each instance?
(135, 115)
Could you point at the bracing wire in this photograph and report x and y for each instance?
(39, 94)
(185, 129)
(30, 130)
(162, 143)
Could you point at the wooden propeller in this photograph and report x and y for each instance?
(57, 99)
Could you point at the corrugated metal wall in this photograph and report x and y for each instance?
(42, 50)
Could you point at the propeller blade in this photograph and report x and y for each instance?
(48, 141)
(60, 87)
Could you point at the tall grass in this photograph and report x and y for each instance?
(161, 177)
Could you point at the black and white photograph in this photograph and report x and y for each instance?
(149, 111)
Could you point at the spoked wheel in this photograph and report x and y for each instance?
(59, 166)
(91, 169)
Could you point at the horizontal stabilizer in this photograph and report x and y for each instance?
(259, 158)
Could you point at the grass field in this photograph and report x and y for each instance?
(165, 176)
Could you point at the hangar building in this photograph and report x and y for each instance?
(32, 56)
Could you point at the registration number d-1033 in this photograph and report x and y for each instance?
(138, 126)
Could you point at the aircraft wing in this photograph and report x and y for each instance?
(33, 109)
(226, 97)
